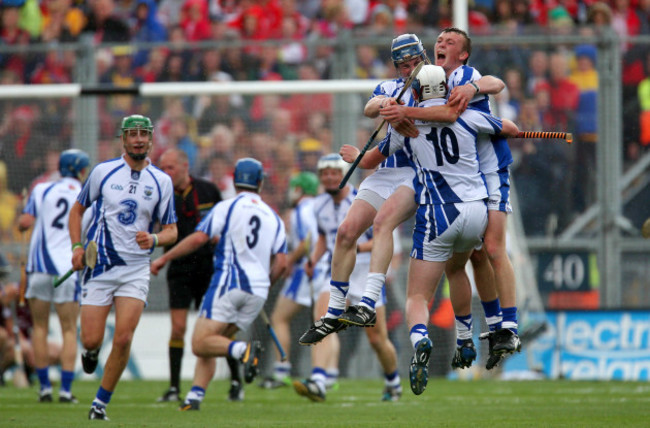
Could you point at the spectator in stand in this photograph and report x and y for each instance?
(62, 22)
(145, 28)
(537, 70)
(212, 110)
(585, 77)
(422, 14)
(52, 69)
(22, 148)
(180, 138)
(302, 105)
(309, 151)
(514, 80)
(369, 65)
(208, 64)
(565, 95)
(153, 69)
(120, 74)
(104, 25)
(220, 173)
(174, 69)
(12, 34)
(195, 21)
(295, 51)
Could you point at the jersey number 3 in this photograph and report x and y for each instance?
(252, 238)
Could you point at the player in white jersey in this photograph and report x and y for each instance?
(250, 255)
(47, 211)
(299, 291)
(331, 208)
(452, 51)
(493, 270)
(451, 215)
(128, 195)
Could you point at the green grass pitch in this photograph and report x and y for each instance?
(356, 403)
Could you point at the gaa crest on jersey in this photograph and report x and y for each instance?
(148, 191)
(135, 175)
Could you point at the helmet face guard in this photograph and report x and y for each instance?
(334, 161)
(137, 122)
(72, 162)
(431, 82)
(405, 48)
(249, 173)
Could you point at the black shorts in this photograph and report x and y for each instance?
(187, 287)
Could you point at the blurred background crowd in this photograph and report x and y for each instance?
(549, 87)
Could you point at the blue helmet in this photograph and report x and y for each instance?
(405, 48)
(249, 173)
(72, 161)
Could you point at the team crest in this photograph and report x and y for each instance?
(135, 175)
(148, 191)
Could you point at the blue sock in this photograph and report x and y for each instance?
(103, 397)
(493, 315)
(510, 319)
(43, 377)
(66, 380)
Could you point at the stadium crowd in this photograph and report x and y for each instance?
(169, 41)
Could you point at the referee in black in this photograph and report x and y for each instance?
(188, 277)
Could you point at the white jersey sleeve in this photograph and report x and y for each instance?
(249, 234)
(50, 250)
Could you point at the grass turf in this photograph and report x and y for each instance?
(356, 403)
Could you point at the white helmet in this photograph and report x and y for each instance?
(431, 82)
(334, 161)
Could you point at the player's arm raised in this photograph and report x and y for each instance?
(188, 245)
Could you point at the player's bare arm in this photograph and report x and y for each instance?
(370, 160)
(167, 236)
(188, 245)
(74, 225)
(445, 113)
(510, 129)
(461, 95)
(279, 267)
(376, 104)
(25, 222)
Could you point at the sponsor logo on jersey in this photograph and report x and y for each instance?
(117, 186)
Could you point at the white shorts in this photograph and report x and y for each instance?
(297, 287)
(498, 186)
(40, 286)
(440, 231)
(378, 187)
(358, 285)
(235, 306)
(119, 281)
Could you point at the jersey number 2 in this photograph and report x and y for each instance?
(58, 220)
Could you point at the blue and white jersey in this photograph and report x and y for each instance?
(249, 233)
(391, 89)
(124, 202)
(302, 222)
(493, 151)
(330, 215)
(445, 156)
(49, 248)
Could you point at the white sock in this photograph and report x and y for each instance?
(374, 285)
(237, 349)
